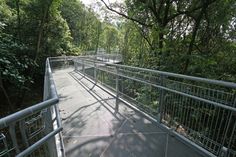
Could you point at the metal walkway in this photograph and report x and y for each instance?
(114, 110)
(93, 126)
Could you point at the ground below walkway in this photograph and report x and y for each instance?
(94, 128)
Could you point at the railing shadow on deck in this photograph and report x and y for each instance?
(137, 127)
(200, 112)
(117, 148)
(198, 109)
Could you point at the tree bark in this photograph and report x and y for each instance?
(18, 19)
(41, 29)
(46, 9)
(126, 45)
(98, 36)
(6, 94)
(193, 38)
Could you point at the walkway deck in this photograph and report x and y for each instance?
(92, 126)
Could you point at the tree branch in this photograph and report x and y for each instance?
(125, 16)
(145, 37)
(188, 12)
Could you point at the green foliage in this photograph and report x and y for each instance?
(59, 39)
(190, 37)
(109, 39)
(13, 62)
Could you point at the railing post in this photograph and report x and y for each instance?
(95, 72)
(117, 89)
(83, 67)
(161, 99)
(12, 131)
(48, 115)
(76, 65)
(223, 152)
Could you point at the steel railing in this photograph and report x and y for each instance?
(32, 131)
(108, 58)
(201, 112)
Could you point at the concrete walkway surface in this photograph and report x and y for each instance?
(94, 128)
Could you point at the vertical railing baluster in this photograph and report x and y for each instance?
(76, 65)
(224, 151)
(161, 99)
(12, 131)
(117, 88)
(95, 72)
(23, 132)
(4, 144)
(232, 138)
(83, 70)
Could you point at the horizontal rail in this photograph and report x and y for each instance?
(39, 143)
(41, 117)
(198, 110)
(4, 122)
(193, 78)
(171, 90)
(175, 91)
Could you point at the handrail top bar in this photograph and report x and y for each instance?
(52, 87)
(193, 78)
(179, 92)
(86, 56)
(39, 143)
(5, 121)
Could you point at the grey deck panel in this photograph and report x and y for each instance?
(93, 128)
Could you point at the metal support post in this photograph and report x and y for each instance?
(95, 72)
(76, 65)
(51, 145)
(223, 152)
(161, 99)
(117, 89)
(83, 67)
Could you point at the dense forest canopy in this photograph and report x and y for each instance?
(196, 37)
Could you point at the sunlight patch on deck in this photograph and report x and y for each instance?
(92, 126)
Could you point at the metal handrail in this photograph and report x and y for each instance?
(174, 91)
(168, 112)
(5, 121)
(40, 142)
(50, 99)
(193, 78)
(211, 96)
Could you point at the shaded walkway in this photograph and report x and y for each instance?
(93, 126)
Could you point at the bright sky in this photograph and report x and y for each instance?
(88, 2)
(94, 5)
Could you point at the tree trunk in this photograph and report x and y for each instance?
(193, 38)
(98, 36)
(6, 95)
(38, 47)
(160, 47)
(18, 19)
(126, 45)
(41, 29)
